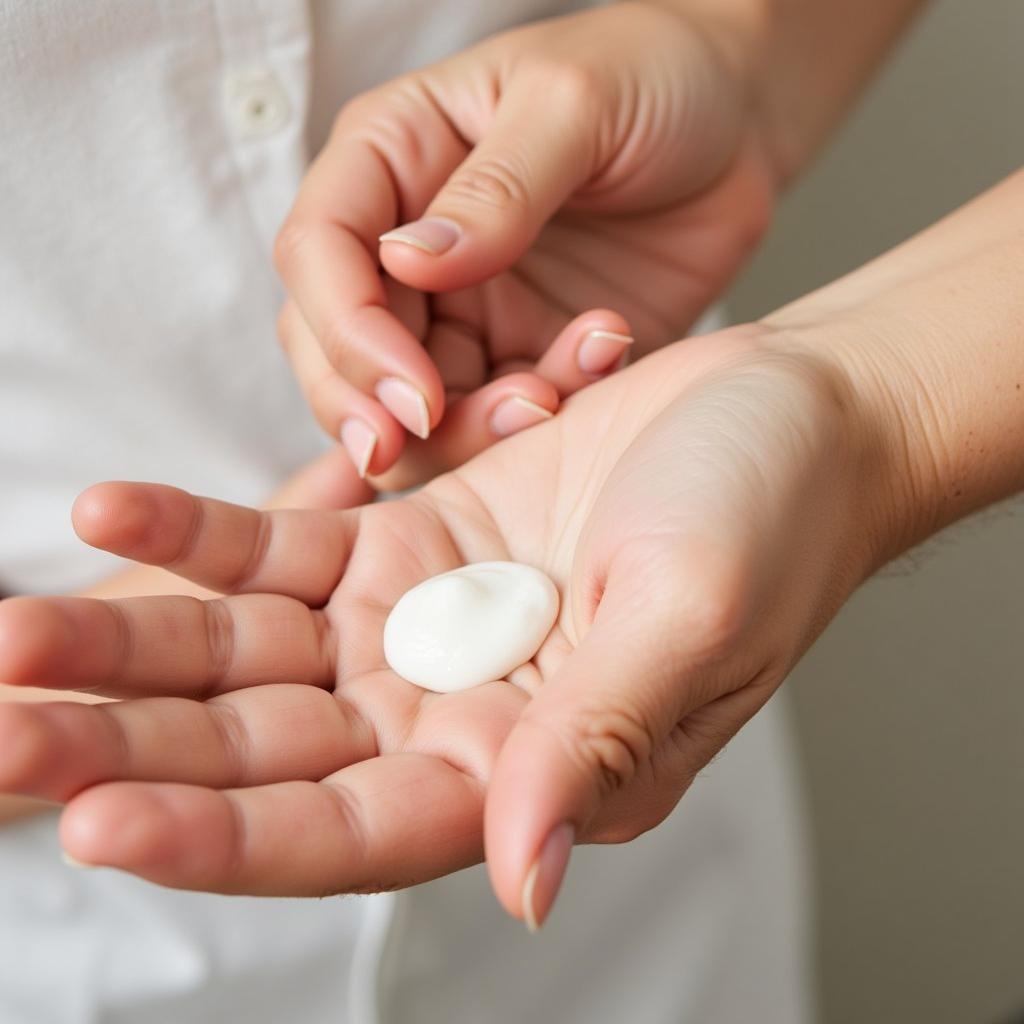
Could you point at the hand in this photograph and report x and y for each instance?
(704, 513)
(604, 159)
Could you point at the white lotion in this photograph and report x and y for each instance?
(470, 626)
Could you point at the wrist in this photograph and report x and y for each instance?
(890, 455)
(930, 342)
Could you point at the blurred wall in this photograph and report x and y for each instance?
(911, 707)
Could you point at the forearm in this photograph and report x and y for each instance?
(805, 61)
(932, 337)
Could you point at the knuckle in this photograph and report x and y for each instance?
(354, 111)
(323, 398)
(291, 239)
(233, 740)
(613, 743)
(714, 615)
(378, 104)
(573, 86)
(493, 183)
(336, 342)
(220, 645)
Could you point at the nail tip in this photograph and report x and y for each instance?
(622, 339)
(396, 395)
(533, 407)
(404, 239)
(424, 413)
(364, 463)
(361, 455)
(529, 911)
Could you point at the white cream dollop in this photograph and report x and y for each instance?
(470, 626)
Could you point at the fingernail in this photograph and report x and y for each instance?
(406, 404)
(359, 441)
(72, 863)
(544, 879)
(433, 235)
(517, 413)
(601, 350)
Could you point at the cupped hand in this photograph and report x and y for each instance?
(703, 514)
(511, 193)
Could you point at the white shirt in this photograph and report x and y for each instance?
(148, 152)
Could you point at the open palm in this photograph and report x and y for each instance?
(672, 504)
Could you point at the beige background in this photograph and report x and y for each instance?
(911, 707)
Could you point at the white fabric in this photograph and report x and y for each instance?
(148, 152)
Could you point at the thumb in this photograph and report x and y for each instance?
(540, 148)
(596, 727)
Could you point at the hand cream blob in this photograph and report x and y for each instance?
(470, 626)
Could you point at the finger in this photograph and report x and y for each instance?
(180, 646)
(505, 406)
(228, 548)
(371, 437)
(328, 482)
(380, 824)
(389, 152)
(514, 401)
(589, 348)
(266, 734)
(649, 659)
(496, 201)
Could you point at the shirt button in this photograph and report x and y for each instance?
(256, 103)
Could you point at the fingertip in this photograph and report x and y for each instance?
(91, 512)
(513, 403)
(590, 347)
(530, 796)
(128, 518)
(98, 831)
(545, 875)
(433, 254)
(372, 438)
(168, 833)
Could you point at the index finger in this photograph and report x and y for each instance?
(389, 153)
(227, 548)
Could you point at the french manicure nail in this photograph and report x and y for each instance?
(516, 413)
(433, 235)
(544, 878)
(360, 442)
(601, 350)
(72, 862)
(406, 404)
